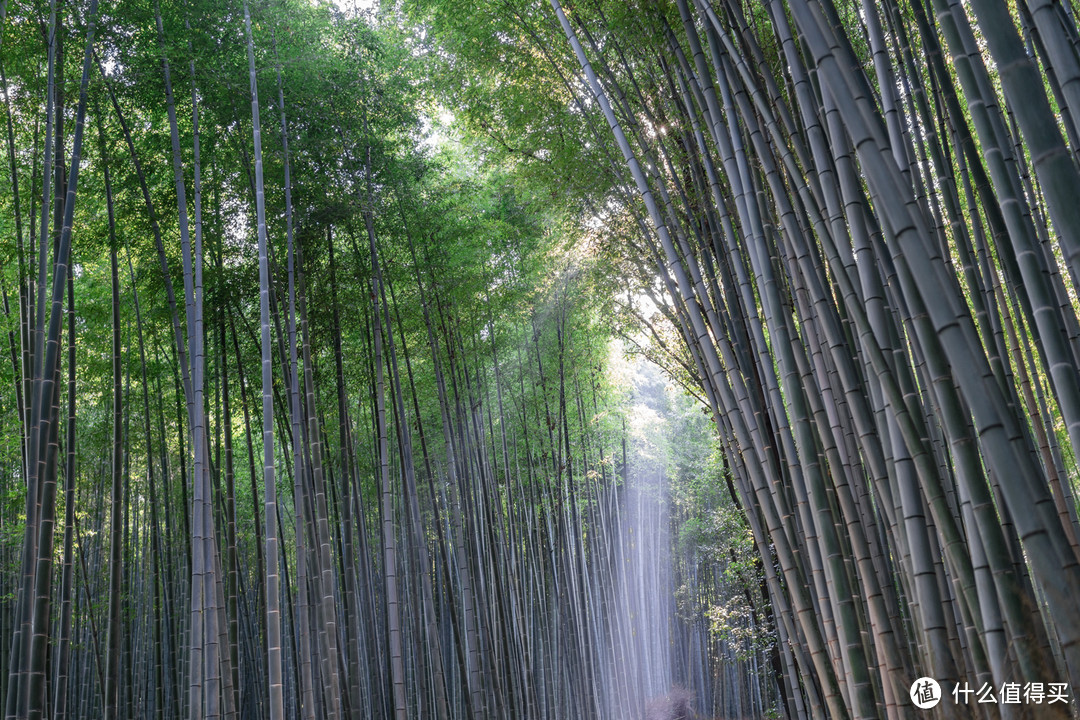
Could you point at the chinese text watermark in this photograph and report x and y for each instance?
(926, 693)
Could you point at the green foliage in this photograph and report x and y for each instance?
(498, 229)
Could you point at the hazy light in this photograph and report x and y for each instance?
(358, 6)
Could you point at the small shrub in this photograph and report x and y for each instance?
(676, 705)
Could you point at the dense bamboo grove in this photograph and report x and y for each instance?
(858, 221)
(310, 411)
(438, 253)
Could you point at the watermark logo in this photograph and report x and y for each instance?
(925, 693)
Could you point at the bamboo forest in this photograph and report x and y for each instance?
(539, 359)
